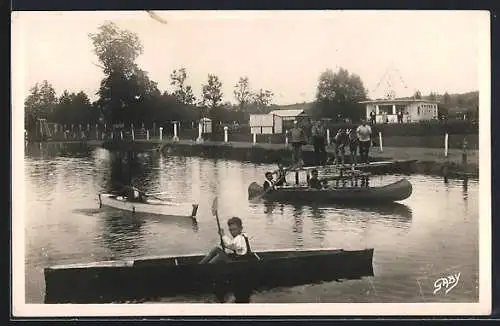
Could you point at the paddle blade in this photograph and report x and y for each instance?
(215, 205)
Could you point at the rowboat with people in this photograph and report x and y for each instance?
(154, 206)
(342, 185)
(167, 276)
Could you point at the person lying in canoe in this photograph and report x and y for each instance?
(237, 245)
(269, 183)
(136, 196)
(314, 182)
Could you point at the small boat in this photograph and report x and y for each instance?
(116, 281)
(152, 206)
(397, 191)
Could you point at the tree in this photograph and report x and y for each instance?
(417, 95)
(126, 92)
(262, 99)
(242, 92)
(182, 92)
(212, 93)
(339, 94)
(446, 100)
(40, 103)
(75, 109)
(432, 96)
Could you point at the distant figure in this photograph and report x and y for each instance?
(238, 243)
(353, 146)
(400, 116)
(340, 141)
(298, 139)
(372, 117)
(314, 182)
(268, 182)
(364, 133)
(318, 135)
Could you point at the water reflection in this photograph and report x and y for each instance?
(122, 234)
(298, 225)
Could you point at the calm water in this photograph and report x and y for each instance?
(430, 235)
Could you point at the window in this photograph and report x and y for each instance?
(385, 109)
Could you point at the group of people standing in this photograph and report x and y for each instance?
(352, 138)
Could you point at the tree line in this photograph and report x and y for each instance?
(127, 95)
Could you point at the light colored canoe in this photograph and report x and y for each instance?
(155, 207)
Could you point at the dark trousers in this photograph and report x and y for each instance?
(364, 148)
(296, 153)
(319, 150)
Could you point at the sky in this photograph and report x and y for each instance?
(284, 52)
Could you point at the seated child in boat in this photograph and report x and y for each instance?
(269, 183)
(237, 246)
(314, 182)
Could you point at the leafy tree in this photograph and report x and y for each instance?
(182, 92)
(446, 100)
(242, 92)
(417, 95)
(126, 92)
(339, 94)
(40, 103)
(75, 109)
(432, 96)
(262, 99)
(212, 93)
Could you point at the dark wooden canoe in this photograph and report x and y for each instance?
(114, 281)
(396, 191)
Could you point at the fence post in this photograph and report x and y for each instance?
(161, 133)
(380, 141)
(446, 145)
(254, 138)
(175, 138)
(97, 132)
(328, 140)
(200, 133)
(286, 137)
(225, 134)
(121, 134)
(147, 134)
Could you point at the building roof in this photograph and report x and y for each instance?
(288, 113)
(401, 101)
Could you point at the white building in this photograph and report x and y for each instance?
(413, 110)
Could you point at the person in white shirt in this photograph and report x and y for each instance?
(364, 133)
(237, 246)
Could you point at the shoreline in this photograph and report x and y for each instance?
(430, 161)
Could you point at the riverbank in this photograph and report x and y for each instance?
(428, 160)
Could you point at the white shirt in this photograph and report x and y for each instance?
(238, 244)
(364, 132)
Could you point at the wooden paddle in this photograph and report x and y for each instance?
(215, 205)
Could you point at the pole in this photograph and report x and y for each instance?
(215, 205)
(255, 138)
(200, 133)
(328, 140)
(147, 134)
(446, 145)
(225, 134)
(380, 141)
(175, 138)
(161, 133)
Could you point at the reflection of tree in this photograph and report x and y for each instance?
(126, 168)
(122, 234)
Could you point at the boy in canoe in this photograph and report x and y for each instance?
(268, 183)
(237, 243)
(314, 182)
